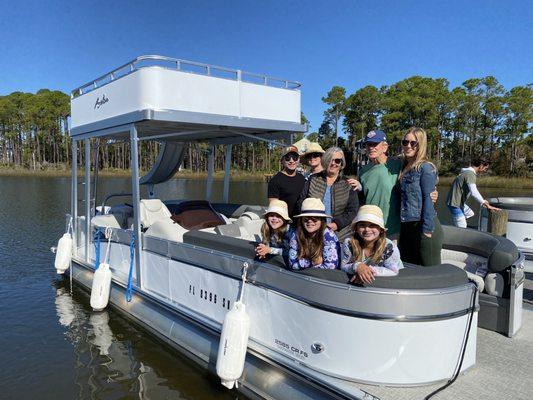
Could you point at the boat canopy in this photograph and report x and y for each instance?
(172, 99)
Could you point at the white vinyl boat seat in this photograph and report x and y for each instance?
(475, 266)
(122, 213)
(151, 211)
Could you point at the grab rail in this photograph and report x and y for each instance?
(183, 66)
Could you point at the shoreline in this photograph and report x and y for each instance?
(484, 181)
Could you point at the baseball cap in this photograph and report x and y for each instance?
(289, 149)
(376, 136)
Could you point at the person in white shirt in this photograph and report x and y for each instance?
(464, 186)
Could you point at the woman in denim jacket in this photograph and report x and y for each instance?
(420, 233)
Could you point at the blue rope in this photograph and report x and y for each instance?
(129, 289)
(97, 236)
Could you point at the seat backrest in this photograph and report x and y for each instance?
(153, 210)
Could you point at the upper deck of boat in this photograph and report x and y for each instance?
(503, 371)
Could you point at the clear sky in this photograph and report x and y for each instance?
(63, 44)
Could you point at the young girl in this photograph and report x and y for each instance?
(274, 230)
(313, 244)
(368, 253)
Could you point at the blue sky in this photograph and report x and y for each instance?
(61, 45)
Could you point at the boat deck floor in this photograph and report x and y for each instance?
(503, 371)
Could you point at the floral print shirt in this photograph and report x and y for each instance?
(330, 254)
(389, 264)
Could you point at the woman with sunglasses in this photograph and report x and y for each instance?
(333, 189)
(312, 244)
(420, 231)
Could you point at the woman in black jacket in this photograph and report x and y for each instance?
(333, 189)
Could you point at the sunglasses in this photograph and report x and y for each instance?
(412, 143)
(312, 219)
(337, 161)
(291, 156)
(314, 155)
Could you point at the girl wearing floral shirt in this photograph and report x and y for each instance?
(313, 244)
(368, 253)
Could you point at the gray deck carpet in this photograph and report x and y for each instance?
(503, 371)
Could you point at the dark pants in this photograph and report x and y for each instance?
(417, 248)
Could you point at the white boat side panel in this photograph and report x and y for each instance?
(519, 233)
(123, 96)
(398, 353)
(163, 89)
(119, 260)
(270, 103)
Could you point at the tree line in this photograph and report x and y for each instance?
(480, 117)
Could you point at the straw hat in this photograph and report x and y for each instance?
(314, 147)
(279, 207)
(370, 213)
(312, 207)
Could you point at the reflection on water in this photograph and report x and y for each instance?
(53, 346)
(114, 359)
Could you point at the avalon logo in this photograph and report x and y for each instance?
(99, 103)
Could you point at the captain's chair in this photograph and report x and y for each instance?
(153, 210)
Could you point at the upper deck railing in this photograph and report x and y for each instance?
(184, 66)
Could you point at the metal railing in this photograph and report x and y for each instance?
(183, 66)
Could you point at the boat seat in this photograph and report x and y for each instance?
(105, 221)
(252, 222)
(194, 214)
(151, 211)
(122, 213)
(475, 266)
(500, 252)
(166, 229)
(418, 277)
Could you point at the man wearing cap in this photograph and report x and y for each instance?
(313, 158)
(378, 179)
(287, 184)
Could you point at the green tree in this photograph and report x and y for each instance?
(336, 99)
(363, 110)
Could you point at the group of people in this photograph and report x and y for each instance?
(363, 225)
(342, 223)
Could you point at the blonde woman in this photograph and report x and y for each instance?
(368, 252)
(420, 230)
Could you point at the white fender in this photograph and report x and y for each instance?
(101, 287)
(233, 344)
(63, 253)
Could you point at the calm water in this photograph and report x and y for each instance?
(52, 345)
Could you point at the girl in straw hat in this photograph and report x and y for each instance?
(368, 253)
(274, 230)
(313, 244)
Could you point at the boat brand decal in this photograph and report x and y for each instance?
(99, 103)
(292, 350)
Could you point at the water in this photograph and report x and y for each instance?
(52, 345)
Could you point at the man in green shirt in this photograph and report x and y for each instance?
(378, 179)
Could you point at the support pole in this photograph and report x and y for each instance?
(74, 196)
(210, 170)
(227, 170)
(134, 140)
(87, 143)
